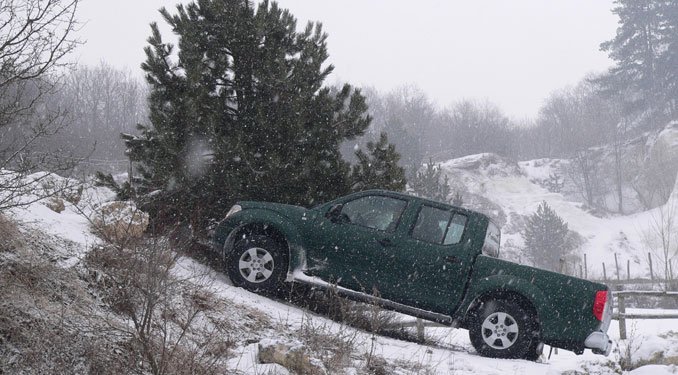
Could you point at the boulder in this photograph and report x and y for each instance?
(51, 184)
(292, 356)
(55, 204)
(657, 179)
(120, 221)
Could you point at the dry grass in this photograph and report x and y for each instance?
(10, 234)
(628, 349)
(370, 318)
(175, 325)
(120, 223)
(339, 345)
(658, 358)
(418, 368)
(77, 320)
(47, 324)
(333, 347)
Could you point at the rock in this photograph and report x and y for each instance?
(73, 194)
(55, 204)
(51, 184)
(486, 163)
(657, 178)
(378, 366)
(292, 356)
(120, 221)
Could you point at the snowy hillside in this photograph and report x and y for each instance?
(249, 323)
(510, 192)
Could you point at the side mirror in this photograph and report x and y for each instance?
(334, 213)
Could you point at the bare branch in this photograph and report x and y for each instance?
(35, 36)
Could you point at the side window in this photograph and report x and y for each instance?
(376, 212)
(439, 226)
(455, 230)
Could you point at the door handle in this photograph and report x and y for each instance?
(453, 259)
(386, 242)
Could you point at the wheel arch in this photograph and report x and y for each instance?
(272, 225)
(262, 229)
(505, 295)
(505, 288)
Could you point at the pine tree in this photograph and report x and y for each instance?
(646, 72)
(240, 112)
(669, 71)
(378, 169)
(546, 237)
(428, 184)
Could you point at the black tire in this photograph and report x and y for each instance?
(504, 329)
(258, 263)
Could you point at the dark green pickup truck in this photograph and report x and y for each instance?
(419, 257)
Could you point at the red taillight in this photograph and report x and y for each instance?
(599, 304)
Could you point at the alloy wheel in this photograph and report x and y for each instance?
(256, 265)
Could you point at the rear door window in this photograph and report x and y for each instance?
(439, 226)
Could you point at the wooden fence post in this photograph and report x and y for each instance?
(616, 265)
(649, 257)
(586, 267)
(604, 272)
(628, 269)
(420, 330)
(670, 270)
(622, 319)
(581, 272)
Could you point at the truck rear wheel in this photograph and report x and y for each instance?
(504, 329)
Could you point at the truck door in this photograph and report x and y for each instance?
(351, 250)
(432, 260)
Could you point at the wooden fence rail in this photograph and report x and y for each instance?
(622, 315)
(636, 281)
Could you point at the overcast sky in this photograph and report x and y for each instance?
(513, 53)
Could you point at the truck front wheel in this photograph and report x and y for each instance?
(503, 329)
(257, 263)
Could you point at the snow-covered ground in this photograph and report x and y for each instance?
(449, 351)
(452, 352)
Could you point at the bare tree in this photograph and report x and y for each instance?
(605, 114)
(661, 236)
(420, 129)
(584, 172)
(618, 165)
(171, 320)
(103, 103)
(577, 122)
(409, 118)
(472, 127)
(162, 312)
(577, 118)
(35, 36)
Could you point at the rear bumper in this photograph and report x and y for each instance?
(599, 343)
